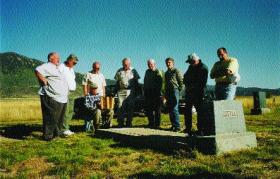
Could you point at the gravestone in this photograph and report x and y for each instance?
(224, 128)
(259, 104)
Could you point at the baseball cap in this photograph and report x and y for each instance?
(192, 57)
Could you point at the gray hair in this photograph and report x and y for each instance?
(96, 62)
(151, 60)
(126, 59)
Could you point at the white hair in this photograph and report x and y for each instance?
(126, 59)
(151, 61)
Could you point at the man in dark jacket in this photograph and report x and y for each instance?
(152, 91)
(195, 80)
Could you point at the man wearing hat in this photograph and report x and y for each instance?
(173, 86)
(195, 80)
(68, 72)
(92, 105)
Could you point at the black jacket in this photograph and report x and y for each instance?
(195, 79)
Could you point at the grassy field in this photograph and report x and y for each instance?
(24, 155)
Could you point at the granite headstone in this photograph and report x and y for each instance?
(259, 103)
(224, 128)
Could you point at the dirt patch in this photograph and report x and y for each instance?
(32, 168)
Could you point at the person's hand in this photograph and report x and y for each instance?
(45, 82)
(229, 72)
(163, 99)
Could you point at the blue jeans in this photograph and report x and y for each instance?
(172, 98)
(225, 92)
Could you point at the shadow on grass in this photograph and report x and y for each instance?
(19, 131)
(203, 174)
(22, 131)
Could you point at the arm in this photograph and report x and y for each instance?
(233, 67)
(180, 80)
(85, 90)
(103, 86)
(85, 84)
(204, 76)
(42, 80)
(215, 72)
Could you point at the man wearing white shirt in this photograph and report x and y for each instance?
(54, 96)
(126, 84)
(95, 77)
(67, 69)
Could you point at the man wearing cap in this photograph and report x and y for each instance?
(225, 73)
(152, 92)
(173, 86)
(92, 105)
(195, 80)
(126, 84)
(54, 96)
(95, 76)
(68, 70)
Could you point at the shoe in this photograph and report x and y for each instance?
(47, 138)
(156, 127)
(120, 125)
(68, 132)
(176, 129)
(200, 133)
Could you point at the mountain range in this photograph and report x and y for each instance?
(17, 78)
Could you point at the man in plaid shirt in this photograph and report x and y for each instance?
(93, 112)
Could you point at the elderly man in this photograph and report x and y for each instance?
(67, 69)
(173, 86)
(127, 82)
(94, 76)
(195, 80)
(225, 72)
(152, 91)
(54, 96)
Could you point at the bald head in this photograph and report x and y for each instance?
(54, 58)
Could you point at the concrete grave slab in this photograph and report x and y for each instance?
(224, 131)
(145, 138)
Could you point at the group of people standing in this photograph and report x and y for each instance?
(58, 80)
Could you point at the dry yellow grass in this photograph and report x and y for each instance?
(248, 103)
(20, 109)
(29, 109)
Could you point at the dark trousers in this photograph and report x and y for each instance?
(126, 102)
(53, 117)
(153, 107)
(197, 103)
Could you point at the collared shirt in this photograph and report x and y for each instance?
(69, 75)
(57, 87)
(127, 79)
(97, 78)
(220, 66)
(92, 100)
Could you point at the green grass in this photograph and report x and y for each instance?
(83, 156)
